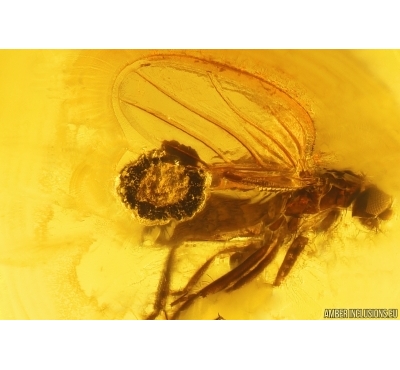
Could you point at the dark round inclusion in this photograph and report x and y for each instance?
(161, 186)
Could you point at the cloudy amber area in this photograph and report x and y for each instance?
(69, 249)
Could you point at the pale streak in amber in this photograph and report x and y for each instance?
(68, 250)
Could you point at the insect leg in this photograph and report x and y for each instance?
(235, 275)
(291, 256)
(219, 284)
(201, 271)
(326, 222)
(280, 229)
(163, 287)
(329, 220)
(259, 267)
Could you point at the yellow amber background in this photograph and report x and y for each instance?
(68, 248)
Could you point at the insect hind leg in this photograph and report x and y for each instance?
(240, 275)
(291, 256)
(163, 287)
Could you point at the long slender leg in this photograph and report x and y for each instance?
(326, 222)
(253, 273)
(163, 287)
(291, 257)
(235, 275)
(201, 271)
(221, 283)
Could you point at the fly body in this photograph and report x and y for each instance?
(232, 157)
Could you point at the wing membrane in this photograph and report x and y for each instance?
(229, 116)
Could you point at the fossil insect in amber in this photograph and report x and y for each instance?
(232, 157)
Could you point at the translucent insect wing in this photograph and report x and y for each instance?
(229, 115)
